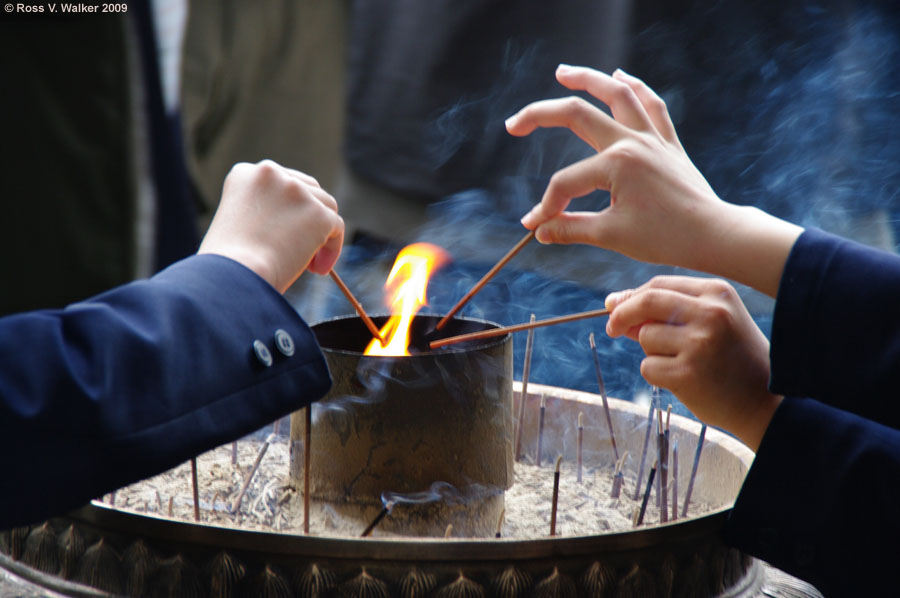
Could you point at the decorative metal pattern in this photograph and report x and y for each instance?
(556, 586)
(417, 584)
(364, 586)
(463, 587)
(41, 551)
(511, 583)
(316, 582)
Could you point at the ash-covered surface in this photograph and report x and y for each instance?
(272, 504)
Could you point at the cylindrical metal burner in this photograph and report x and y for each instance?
(432, 431)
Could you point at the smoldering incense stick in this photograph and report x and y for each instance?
(307, 452)
(675, 481)
(195, 489)
(526, 372)
(484, 279)
(646, 499)
(500, 523)
(690, 488)
(580, 443)
(637, 488)
(540, 445)
(236, 505)
(381, 515)
(596, 313)
(358, 307)
(555, 497)
(612, 435)
(234, 451)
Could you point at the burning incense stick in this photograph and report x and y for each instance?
(541, 430)
(580, 443)
(640, 518)
(307, 438)
(690, 488)
(196, 490)
(381, 515)
(526, 372)
(500, 523)
(637, 488)
(484, 279)
(555, 497)
(675, 481)
(612, 435)
(236, 505)
(596, 313)
(358, 307)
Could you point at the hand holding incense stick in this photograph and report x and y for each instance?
(596, 313)
(484, 279)
(357, 306)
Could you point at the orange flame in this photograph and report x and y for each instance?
(406, 285)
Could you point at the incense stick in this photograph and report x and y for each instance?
(640, 518)
(612, 435)
(690, 488)
(526, 372)
(484, 279)
(675, 481)
(196, 490)
(664, 471)
(596, 313)
(541, 429)
(637, 488)
(381, 515)
(307, 452)
(500, 523)
(555, 497)
(236, 505)
(358, 307)
(448, 531)
(580, 443)
(619, 477)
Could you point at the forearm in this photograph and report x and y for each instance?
(134, 381)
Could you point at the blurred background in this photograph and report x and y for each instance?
(118, 131)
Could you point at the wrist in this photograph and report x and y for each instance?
(747, 245)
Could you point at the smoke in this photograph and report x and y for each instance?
(443, 492)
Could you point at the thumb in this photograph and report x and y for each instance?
(590, 228)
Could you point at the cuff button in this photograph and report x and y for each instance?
(284, 342)
(263, 355)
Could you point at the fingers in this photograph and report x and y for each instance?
(651, 305)
(619, 95)
(327, 256)
(567, 183)
(584, 119)
(654, 105)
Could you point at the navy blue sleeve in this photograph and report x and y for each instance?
(821, 500)
(836, 329)
(137, 380)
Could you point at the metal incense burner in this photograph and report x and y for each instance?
(426, 425)
(100, 550)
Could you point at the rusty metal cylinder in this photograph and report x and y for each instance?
(431, 431)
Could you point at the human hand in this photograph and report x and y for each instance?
(662, 209)
(702, 345)
(276, 221)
